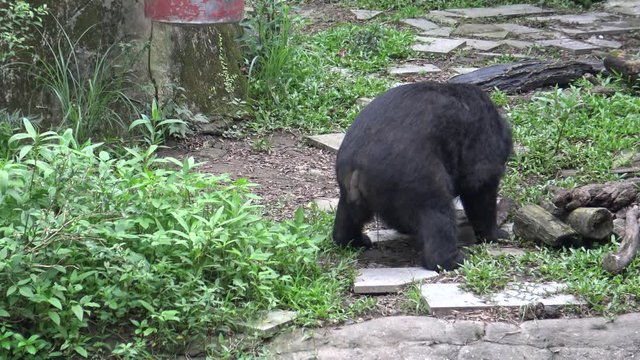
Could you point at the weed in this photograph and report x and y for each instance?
(262, 145)
(89, 100)
(95, 243)
(414, 301)
(156, 128)
(484, 274)
(19, 19)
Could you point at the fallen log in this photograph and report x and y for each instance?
(591, 223)
(615, 263)
(528, 75)
(532, 222)
(613, 195)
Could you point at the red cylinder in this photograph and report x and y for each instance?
(194, 11)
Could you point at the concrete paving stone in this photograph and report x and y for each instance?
(483, 350)
(625, 7)
(436, 45)
(444, 31)
(517, 29)
(363, 101)
(382, 235)
(505, 10)
(573, 46)
(543, 35)
(484, 45)
(610, 28)
(270, 323)
(493, 35)
(422, 24)
(365, 14)
(326, 204)
(444, 13)
(464, 70)
(443, 298)
(518, 44)
(603, 43)
(443, 20)
(471, 29)
(408, 69)
(330, 142)
(496, 54)
(506, 251)
(574, 19)
(388, 280)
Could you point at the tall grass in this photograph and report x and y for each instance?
(90, 92)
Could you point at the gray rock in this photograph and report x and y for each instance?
(518, 44)
(407, 69)
(626, 7)
(562, 353)
(388, 280)
(506, 251)
(365, 14)
(437, 46)
(517, 29)
(484, 350)
(493, 35)
(422, 24)
(326, 204)
(609, 28)
(484, 45)
(573, 19)
(270, 323)
(574, 46)
(442, 19)
(505, 10)
(329, 142)
(442, 32)
(363, 101)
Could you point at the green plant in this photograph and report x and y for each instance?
(90, 100)
(156, 128)
(483, 273)
(128, 255)
(19, 19)
(414, 301)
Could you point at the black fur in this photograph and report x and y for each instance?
(409, 153)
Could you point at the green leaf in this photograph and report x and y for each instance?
(3, 253)
(26, 291)
(54, 317)
(55, 302)
(299, 216)
(80, 350)
(4, 181)
(29, 128)
(146, 305)
(24, 151)
(77, 311)
(4, 313)
(11, 290)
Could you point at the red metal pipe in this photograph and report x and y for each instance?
(194, 11)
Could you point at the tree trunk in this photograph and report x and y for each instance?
(615, 263)
(614, 195)
(532, 222)
(592, 223)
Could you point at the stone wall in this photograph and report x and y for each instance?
(201, 60)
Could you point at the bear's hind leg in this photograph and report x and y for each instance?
(350, 219)
(438, 233)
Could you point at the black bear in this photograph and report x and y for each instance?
(409, 153)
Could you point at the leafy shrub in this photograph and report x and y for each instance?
(125, 253)
(19, 19)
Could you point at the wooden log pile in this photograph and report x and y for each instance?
(585, 215)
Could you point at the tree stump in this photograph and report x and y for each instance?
(532, 222)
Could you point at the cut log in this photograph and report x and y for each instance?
(613, 195)
(592, 223)
(615, 263)
(532, 222)
(528, 75)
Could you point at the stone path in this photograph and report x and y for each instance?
(418, 338)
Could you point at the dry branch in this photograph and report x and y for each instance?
(615, 263)
(613, 195)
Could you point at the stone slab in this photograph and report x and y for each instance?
(573, 46)
(470, 29)
(363, 101)
(464, 70)
(506, 251)
(493, 35)
(505, 10)
(436, 45)
(422, 24)
(444, 298)
(612, 28)
(574, 19)
(382, 235)
(408, 69)
(270, 323)
(365, 14)
(444, 13)
(330, 142)
(603, 43)
(625, 7)
(444, 31)
(496, 54)
(326, 204)
(518, 44)
(440, 19)
(484, 45)
(388, 280)
(517, 29)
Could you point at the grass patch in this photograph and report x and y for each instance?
(427, 5)
(569, 129)
(95, 243)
